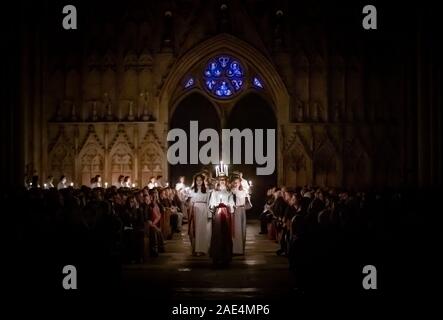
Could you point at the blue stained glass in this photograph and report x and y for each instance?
(213, 70)
(234, 70)
(237, 84)
(257, 83)
(189, 83)
(223, 61)
(223, 76)
(223, 90)
(210, 84)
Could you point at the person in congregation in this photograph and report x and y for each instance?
(160, 182)
(133, 231)
(96, 182)
(152, 183)
(176, 211)
(156, 243)
(49, 182)
(182, 193)
(120, 181)
(167, 209)
(180, 185)
(62, 183)
(127, 182)
(266, 216)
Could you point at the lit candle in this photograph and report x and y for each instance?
(156, 184)
(106, 184)
(45, 185)
(250, 183)
(133, 185)
(167, 184)
(72, 184)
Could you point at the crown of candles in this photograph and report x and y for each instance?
(221, 170)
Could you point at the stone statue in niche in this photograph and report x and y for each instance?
(131, 111)
(301, 112)
(167, 37)
(108, 107)
(73, 113)
(371, 111)
(94, 111)
(350, 112)
(320, 111)
(298, 111)
(314, 111)
(147, 112)
(337, 108)
(59, 113)
(224, 24)
(278, 31)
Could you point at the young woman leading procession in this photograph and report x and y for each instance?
(221, 204)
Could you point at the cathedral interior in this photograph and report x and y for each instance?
(352, 108)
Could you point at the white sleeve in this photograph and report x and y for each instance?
(231, 203)
(212, 200)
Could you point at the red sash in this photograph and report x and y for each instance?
(226, 217)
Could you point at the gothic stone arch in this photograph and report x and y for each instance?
(91, 158)
(121, 157)
(276, 91)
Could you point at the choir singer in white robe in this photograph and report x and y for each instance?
(199, 222)
(241, 197)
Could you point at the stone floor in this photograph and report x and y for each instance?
(177, 274)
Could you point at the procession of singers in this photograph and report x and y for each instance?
(217, 214)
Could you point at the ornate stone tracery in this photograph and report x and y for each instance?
(121, 98)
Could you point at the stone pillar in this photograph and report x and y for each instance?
(36, 146)
(135, 153)
(107, 176)
(280, 154)
(340, 160)
(77, 170)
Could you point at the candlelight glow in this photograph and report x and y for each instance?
(221, 169)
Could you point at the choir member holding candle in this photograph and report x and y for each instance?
(221, 204)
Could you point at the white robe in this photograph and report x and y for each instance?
(199, 201)
(245, 185)
(239, 220)
(222, 196)
(61, 185)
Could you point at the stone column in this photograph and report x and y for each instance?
(135, 153)
(76, 177)
(107, 176)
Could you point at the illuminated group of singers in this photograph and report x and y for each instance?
(216, 210)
